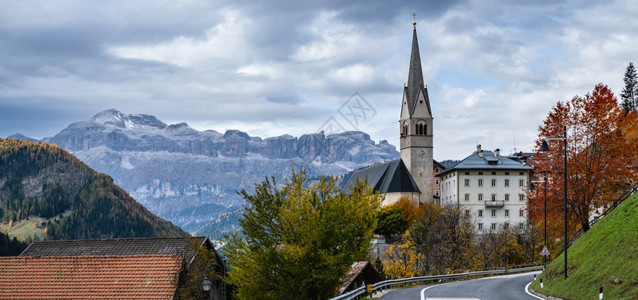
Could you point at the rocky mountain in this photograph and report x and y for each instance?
(41, 180)
(190, 177)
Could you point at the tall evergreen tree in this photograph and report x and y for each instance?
(629, 94)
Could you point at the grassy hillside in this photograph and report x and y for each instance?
(29, 229)
(10, 246)
(607, 255)
(40, 181)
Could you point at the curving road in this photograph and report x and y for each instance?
(489, 288)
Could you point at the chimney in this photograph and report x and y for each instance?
(478, 148)
(497, 153)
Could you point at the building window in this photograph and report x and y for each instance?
(467, 212)
(480, 212)
(507, 212)
(467, 197)
(436, 181)
(493, 182)
(507, 197)
(480, 182)
(493, 197)
(480, 173)
(480, 197)
(507, 182)
(467, 182)
(436, 170)
(507, 173)
(467, 173)
(436, 193)
(521, 182)
(493, 173)
(493, 226)
(521, 197)
(521, 213)
(521, 173)
(480, 226)
(421, 129)
(506, 226)
(493, 212)
(521, 226)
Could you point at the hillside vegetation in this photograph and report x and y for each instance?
(10, 246)
(607, 256)
(41, 179)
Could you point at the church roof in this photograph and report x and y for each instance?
(415, 78)
(388, 177)
(486, 160)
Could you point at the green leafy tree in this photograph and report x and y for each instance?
(299, 241)
(391, 221)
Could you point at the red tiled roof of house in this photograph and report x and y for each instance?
(89, 277)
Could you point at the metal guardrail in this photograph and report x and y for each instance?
(389, 284)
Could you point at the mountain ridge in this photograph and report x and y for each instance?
(42, 179)
(189, 176)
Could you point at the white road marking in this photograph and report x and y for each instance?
(484, 278)
(527, 291)
(429, 298)
(429, 287)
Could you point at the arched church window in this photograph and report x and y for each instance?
(405, 129)
(421, 129)
(425, 129)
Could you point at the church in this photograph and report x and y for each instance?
(411, 176)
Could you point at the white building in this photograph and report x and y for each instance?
(490, 187)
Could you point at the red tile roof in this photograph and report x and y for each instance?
(89, 277)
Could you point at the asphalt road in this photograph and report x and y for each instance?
(490, 288)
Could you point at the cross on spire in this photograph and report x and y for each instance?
(414, 17)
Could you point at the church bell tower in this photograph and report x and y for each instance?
(415, 126)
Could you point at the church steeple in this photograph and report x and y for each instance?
(415, 77)
(416, 130)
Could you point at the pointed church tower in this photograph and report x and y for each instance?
(416, 126)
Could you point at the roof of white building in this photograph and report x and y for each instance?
(486, 160)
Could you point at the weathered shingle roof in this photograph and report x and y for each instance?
(486, 160)
(116, 247)
(89, 277)
(386, 177)
(357, 268)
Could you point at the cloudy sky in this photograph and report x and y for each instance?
(493, 68)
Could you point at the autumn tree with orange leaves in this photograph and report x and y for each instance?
(601, 150)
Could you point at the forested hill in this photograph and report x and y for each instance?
(71, 201)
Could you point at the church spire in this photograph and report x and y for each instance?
(415, 75)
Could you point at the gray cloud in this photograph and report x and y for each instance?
(493, 69)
